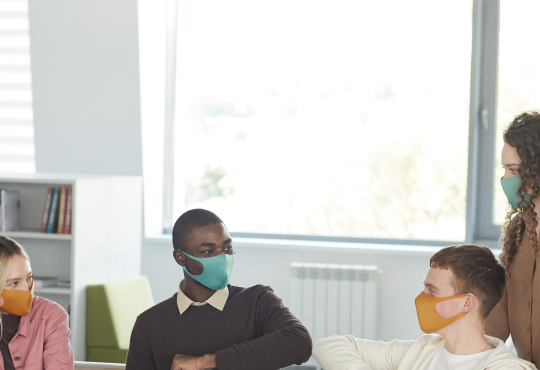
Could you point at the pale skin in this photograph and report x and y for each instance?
(510, 162)
(19, 277)
(204, 242)
(464, 336)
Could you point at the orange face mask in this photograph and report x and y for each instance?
(429, 319)
(17, 302)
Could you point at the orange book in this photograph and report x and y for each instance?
(61, 211)
(67, 217)
(46, 208)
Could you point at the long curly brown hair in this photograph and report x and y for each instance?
(524, 135)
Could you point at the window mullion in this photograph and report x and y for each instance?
(482, 129)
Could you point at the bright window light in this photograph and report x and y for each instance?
(334, 118)
(16, 113)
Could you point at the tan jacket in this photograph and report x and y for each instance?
(350, 353)
(518, 312)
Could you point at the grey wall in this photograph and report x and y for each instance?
(85, 72)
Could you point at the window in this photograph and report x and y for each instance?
(519, 77)
(16, 125)
(325, 118)
(351, 119)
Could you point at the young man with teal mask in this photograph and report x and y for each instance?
(210, 324)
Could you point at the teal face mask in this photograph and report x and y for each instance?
(216, 270)
(510, 187)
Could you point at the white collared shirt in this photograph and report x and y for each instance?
(217, 300)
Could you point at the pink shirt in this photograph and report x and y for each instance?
(42, 341)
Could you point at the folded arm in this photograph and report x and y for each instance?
(285, 341)
(348, 353)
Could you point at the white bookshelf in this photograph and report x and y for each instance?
(29, 234)
(105, 240)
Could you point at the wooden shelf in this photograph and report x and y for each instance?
(32, 234)
(53, 290)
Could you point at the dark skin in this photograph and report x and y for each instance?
(204, 242)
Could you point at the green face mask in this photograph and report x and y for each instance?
(216, 270)
(510, 187)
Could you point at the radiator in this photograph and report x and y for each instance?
(335, 299)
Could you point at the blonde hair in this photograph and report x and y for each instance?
(8, 249)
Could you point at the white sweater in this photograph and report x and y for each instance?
(349, 353)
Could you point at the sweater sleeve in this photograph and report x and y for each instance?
(496, 324)
(284, 341)
(348, 353)
(140, 356)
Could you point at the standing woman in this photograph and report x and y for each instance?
(518, 312)
(34, 331)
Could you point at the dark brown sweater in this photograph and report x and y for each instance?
(254, 331)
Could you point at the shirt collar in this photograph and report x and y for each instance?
(217, 300)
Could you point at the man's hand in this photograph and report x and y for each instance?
(182, 362)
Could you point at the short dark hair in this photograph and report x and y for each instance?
(189, 221)
(476, 271)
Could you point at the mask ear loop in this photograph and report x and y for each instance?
(449, 299)
(185, 266)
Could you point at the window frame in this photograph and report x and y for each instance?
(483, 122)
(482, 134)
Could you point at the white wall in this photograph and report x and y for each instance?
(398, 285)
(85, 80)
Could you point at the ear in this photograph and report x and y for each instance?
(179, 257)
(470, 303)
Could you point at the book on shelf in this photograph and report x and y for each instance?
(61, 211)
(10, 207)
(56, 216)
(45, 281)
(52, 221)
(67, 217)
(46, 209)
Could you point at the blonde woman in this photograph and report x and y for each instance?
(35, 331)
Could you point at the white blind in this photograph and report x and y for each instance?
(16, 117)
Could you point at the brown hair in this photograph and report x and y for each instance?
(524, 135)
(475, 270)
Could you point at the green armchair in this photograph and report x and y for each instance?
(111, 311)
